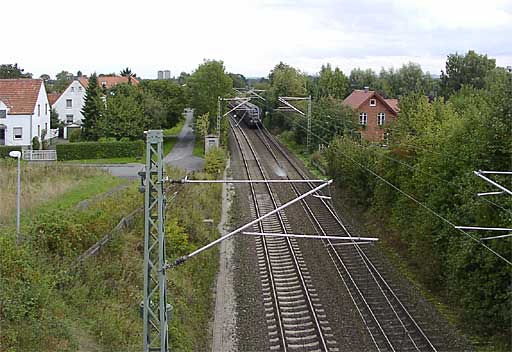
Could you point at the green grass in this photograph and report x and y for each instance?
(198, 148)
(169, 143)
(176, 129)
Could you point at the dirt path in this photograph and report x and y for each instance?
(225, 305)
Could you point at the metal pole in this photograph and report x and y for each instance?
(18, 196)
(218, 116)
(479, 174)
(154, 314)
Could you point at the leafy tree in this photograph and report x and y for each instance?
(45, 77)
(92, 110)
(62, 81)
(183, 77)
(13, 71)
(239, 81)
(362, 78)
(202, 125)
(207, 83)
(171, 95)
(54, 119)
(470, 69)
(286, 81)
(332, 83)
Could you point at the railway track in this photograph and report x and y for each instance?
(295, 318)
(388, 321)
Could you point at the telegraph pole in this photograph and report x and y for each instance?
(308, 135)
(154, 305)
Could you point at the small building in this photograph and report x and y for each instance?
(375, 112)
(24, 111)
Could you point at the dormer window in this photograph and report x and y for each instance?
(373, 102)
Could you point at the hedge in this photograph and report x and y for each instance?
(99, 150)
(5, 150)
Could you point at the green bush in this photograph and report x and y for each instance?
(215, 161)
(97, 150)
(74, 136)
(5, 150)
(36, 145)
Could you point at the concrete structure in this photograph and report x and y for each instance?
(210, 141)
(167, 74)
(375, 112)
(24, 111)
(160, 75)
(69, 106)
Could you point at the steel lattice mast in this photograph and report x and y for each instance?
(154, 310)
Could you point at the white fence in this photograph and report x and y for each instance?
(40, 155)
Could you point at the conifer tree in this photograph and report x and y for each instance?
(92, 110)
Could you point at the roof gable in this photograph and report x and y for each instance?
(358, 97)
(109, 81)
(20, 95)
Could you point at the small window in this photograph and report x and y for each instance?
(72, 89)
(46, 126)
(79, 88)
(46, 109)
(373, 102)
(104, 84)
(38, 110)
(381, 118)
(69, 118)
(363, 118)
(17, 132)
(38, 130)
(69, 103)
(3, 114)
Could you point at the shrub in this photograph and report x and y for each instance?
(97, 150)
(215, 161)
(35, 143)
(74, 136)
(5, 150)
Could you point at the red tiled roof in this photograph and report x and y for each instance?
(20, 95)
(358, 97)
(52, 97)
(393, 103)
(109, 81)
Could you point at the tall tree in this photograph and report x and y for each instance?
(362, 78)
(239, 81)
(63, 79)
(172, 95)
(207, 83)
(332, 83)
(470, 69)
(13, 71)
(92, 110)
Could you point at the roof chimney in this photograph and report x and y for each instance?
(366, 89)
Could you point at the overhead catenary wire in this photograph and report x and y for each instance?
(427, 208)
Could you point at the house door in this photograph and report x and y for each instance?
(2, 134)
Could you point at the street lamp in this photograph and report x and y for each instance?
(17, 155)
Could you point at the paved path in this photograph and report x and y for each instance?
(181, 155)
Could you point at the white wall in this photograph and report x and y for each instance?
(76, 92)
(41, 116)
(12, 121)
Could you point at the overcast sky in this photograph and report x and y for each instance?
(250, 36)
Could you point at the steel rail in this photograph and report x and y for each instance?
(292, 251)
(361, 252)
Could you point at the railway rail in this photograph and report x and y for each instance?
(389, 323)
(295, 318)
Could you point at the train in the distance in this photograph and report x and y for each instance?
(247, 111)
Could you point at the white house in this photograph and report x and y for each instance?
(69, 105)
(24, 111)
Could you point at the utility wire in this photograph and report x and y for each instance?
(427, 208)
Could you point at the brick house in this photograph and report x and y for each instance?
(375, 112)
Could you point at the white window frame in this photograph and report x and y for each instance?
(381, 118)
(14, 133)
(363, 118)
(70, 105)
(67, 118)
(373, 102)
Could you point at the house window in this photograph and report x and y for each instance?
(72, 89)
(69, 118)
(363, 118)
(373, 102)
(69, 103)
(79, 89)
(381, 118)
(38, 130)
(38, 110)
(46, 126)
(104, 84)
(3, 114)
(17, 132)
(46, 109)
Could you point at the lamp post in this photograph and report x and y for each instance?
(17, 155)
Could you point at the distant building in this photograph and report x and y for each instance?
(375, 112)
(164, 74)
(509, 68)
(24, 111)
